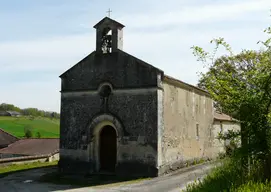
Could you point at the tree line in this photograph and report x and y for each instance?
(29, 111)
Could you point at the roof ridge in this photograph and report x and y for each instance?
(38, 138)
(9, 134)
(110, 19)
(10, 145)
(188, 84)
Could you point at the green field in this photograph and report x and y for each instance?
(15, 125)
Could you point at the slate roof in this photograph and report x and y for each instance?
(14, 113)
(33, 146)
(6, 138)
(4, 113)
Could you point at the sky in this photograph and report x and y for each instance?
(39, 40)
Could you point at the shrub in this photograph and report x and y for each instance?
(38, 135)
(28, 131)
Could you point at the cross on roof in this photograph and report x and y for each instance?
(109, 11)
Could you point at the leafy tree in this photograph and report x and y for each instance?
(28, 133)
(38, 135)
(240, 84)
(9, 107)
(31, 118)
(53, 115)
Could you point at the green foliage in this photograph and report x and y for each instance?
(31, 117)
(28, 131)
(15, 126)
(8, 169)
(228, 177)
(32, 112)
(38, 135)
(9, 107)
(240, 84)
(252, 186)
(233, 136)
(220, 179)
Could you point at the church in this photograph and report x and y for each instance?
(121, 115)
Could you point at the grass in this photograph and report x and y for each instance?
(15, 125)
(253, 187)
(9, 169)
(229, 177)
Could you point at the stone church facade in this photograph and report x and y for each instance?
(120, 114)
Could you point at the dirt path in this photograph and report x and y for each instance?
(27, 181)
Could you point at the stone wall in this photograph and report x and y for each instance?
(119, 68)
(137, 114)
(222, 127)
(9, 160)
(184, 110)
(6, 155)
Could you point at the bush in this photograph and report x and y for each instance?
(28, 131)
(38, 135)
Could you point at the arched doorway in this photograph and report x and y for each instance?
(108, 148)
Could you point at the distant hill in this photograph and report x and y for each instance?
(39, 126)
(28, 111)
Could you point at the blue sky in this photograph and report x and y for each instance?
(39, 40)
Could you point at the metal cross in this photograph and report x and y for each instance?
(109, 11)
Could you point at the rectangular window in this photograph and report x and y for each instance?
(197, 130)
(221, 127)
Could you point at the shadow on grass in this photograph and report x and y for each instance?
(26, 169)
(88, 180)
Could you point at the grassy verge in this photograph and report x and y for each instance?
(229, 177)
(9, 169)
(253, 187)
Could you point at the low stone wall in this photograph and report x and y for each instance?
(30, 159)
(179, 165)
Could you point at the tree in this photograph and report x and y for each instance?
(28, 131)
(240, 84)
(38, 135)
(53, 115)
(9, 107)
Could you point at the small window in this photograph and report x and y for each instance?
(197, 130)
(221, 127)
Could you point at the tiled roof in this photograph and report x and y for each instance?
(186, 84)
(32, 147)
(4, 113)
(6, 138)
(223, 117)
